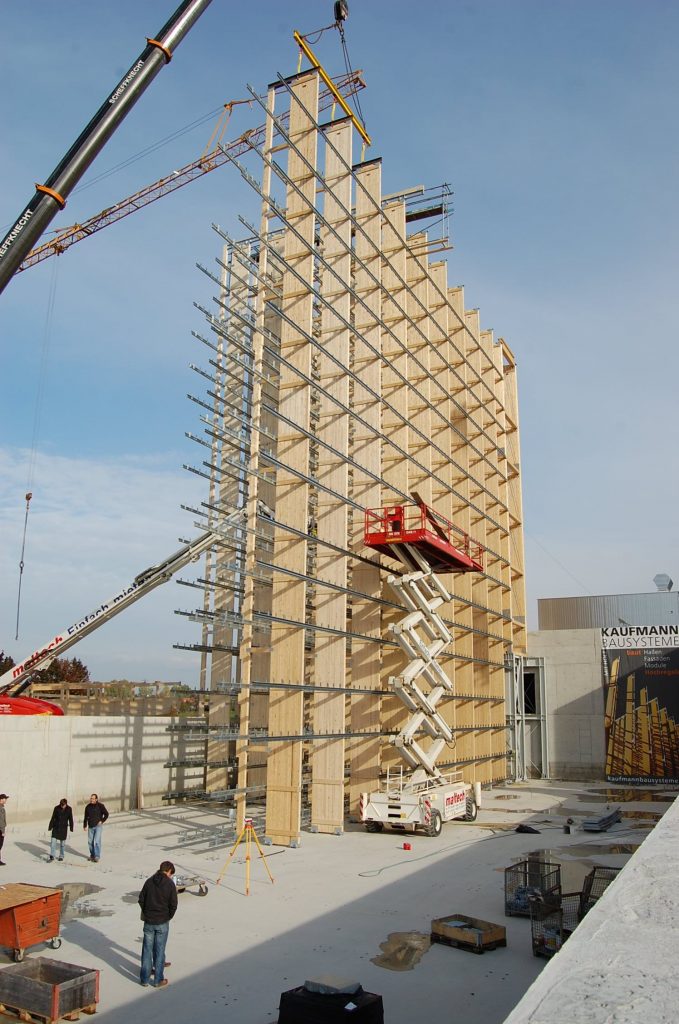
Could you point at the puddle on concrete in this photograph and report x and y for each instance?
(131, 897)
(579, 813)
(615, 795)
(573, 871)
(601, 849)
(527, 810)
(505, 796)
(72, 909)
(402, 951)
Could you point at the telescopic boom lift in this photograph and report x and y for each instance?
(17, 679)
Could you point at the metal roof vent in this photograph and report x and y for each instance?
(663, 581)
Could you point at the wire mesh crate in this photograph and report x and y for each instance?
(531, 879)
(570, 912)
(552, 923)
(595, 885)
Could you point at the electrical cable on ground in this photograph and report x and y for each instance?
(426, 856)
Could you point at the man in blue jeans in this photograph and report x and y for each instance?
(158, 902)
(95, 816)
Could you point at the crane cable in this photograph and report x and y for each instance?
(21, 562)
(42, 373)
(353, 91)
(313, 37)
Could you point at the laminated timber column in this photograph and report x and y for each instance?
(442, 432)
(253, 597)
(396, 470)
(479, 524)
(420, 413)
(501, 596)
(503, 501)
(330, 654)
(514, 501)
(286, 708)
(366, 614)
(460, 515)
(442, 466)
(225, 638)
(492, 680)
(220, 779)
(212, 557)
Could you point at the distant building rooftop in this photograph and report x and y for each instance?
(660, 607)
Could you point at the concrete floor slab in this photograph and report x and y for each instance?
(337, 904)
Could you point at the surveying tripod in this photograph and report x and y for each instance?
(249, 833)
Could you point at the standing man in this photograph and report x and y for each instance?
(60, 822)
(95, 816)
(3, 824)
(158, 902)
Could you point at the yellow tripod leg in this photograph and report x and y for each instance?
(261, 854)
(247, 860)
(233, 850)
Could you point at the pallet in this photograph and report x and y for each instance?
(16, 1013)
(470, 933)
(471, 947)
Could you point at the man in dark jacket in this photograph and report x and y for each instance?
(60, 822)
(3, 824)
(95, 816)
(158, 902)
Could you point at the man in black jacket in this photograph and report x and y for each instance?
(3, 824)
(158, 902)
(95, 816)
(60, 822)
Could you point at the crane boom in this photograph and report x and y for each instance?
(51, 197)
(17, 679)
(216, 157)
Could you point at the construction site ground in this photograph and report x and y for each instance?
(356, 906)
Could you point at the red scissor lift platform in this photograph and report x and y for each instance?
(445, 547)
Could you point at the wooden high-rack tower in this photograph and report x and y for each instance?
(344, 373)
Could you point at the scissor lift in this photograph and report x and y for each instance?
(426, 544)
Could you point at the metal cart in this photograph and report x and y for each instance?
(29, 914)
(184, 882)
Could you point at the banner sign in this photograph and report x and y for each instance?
(641, 695)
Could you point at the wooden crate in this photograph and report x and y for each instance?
(470, 933)
(29, 914)
(48, 990)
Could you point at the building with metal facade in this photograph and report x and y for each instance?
(608, 610)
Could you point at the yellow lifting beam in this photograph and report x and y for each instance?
(314, 61)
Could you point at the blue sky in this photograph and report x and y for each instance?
(554, 123)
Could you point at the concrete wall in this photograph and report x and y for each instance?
(620, 964)
(44, 758)
(575, 701)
